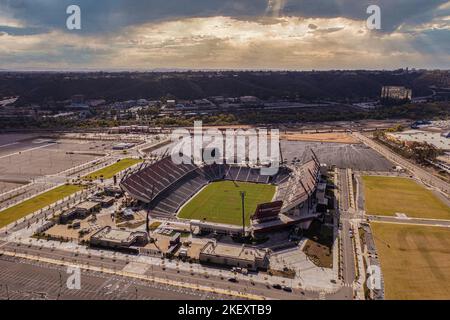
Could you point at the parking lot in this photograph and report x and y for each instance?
(7, 186)
(355, 156)
(31, 158)
(19, 281)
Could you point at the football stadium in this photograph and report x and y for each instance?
(227, 198)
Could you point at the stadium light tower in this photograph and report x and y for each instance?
(147, 218)
(243, 194)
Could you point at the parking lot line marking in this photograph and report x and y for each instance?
(9, 144)
(28, 150)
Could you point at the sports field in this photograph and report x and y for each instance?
(388, 196)
(220, 202)
(415, 261)
(34, 204)
(109, 171)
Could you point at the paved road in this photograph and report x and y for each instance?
(417, 171)
(344, 201)
(348, 262)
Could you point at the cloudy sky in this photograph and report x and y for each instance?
(224, 34)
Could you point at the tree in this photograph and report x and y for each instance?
(421, 152)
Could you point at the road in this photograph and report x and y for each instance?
(348, 260)
(411, 221)
(417, 171)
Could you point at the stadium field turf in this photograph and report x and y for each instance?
(36, 203)
(387, 196)
(220, 202)
(109, 171)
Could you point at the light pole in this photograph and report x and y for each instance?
(7, 291)
(243, 193)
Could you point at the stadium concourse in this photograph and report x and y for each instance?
(165, 187)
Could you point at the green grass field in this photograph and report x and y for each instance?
(109, 171)
(220, 202)
(34, 204)
(415, 261)
(388, 196)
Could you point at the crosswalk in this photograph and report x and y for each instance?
(348, 285)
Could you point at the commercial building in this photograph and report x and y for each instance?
(396, 93)
(118, 239)
(439, 140)
(123, 146)
(234, 256)
(88, 207)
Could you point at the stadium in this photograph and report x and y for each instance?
(210, 196)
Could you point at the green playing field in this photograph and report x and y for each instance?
(109, 171)
(220, 202)
(36, 203)
(387, 196)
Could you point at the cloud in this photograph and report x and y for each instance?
(275, 7)
(112, 15)
(282, 34)
(224, 42)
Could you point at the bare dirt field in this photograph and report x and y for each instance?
(415, 261)
(335, 137)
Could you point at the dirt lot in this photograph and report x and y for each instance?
(334, 137)
(65, 232)
(414, 261)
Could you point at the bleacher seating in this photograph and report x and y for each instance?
(165, 186)
(170, 201)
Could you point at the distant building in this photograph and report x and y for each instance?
(438, 140)
(203, 104)
(77, 99)
(123, 146)
(171, 103)
(249, 100)
(142, 102)
(392, 93)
